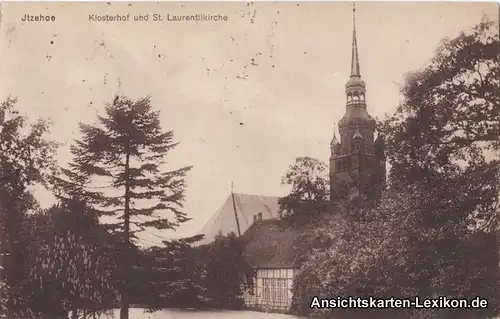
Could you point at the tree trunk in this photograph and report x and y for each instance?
(125, 301)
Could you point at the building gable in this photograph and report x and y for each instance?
(247, 206)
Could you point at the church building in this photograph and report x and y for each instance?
(357, 154)
(269, 241)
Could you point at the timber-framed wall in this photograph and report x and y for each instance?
(272, 290)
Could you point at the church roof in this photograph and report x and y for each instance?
(271, 244)
(355, 81)
(354, 115)
(247, 206)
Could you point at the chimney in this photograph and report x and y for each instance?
(260, 216)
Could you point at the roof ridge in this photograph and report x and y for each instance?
(255, 195)
(247, 205)
(274, 220)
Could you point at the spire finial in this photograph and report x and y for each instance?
(354, 13)
(355, 59)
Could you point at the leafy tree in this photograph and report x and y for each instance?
(173, 278)
(345, 253)
(227, 272)
(447, 126)
(444, 138)
(389, 251)
(25, 160)
(73, 262)
(419, 240)
(309, 195)
(126, 151)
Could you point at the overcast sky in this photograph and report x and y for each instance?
(235, 120)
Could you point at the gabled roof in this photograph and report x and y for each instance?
(246, 207)
(271, 244)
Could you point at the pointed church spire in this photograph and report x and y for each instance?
(356, 130)
(355, 71)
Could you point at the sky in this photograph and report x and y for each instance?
(244, 97)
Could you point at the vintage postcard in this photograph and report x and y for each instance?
(270, 159)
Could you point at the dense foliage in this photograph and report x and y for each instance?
(73, 262)
(390, 251)
(183, 275)
(309, 195)
(25, 160)
(448, 124)
(441, 205)
(172, 276)
(227, 272)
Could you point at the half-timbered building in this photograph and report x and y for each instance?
(271, 250)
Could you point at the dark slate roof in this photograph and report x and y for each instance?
(246, 207)
(271, 244)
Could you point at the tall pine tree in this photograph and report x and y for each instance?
(119, 167)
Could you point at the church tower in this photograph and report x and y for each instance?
(356, 154)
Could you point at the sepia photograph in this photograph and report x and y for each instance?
(249, 160)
